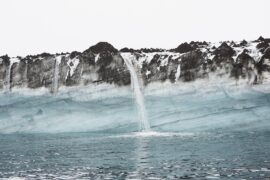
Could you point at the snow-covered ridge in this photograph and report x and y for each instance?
(247, 61)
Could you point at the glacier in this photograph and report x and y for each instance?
(183, 107)
(198, 86)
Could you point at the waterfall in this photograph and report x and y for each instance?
(7, 80)
(137, 87)
(178, 72)
(56, 75)
(8, 74)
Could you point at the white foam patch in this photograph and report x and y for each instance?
(153, 134)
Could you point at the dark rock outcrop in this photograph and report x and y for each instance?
(185, 47)
(243, 43)
(102, 63)
(191, 65)
(4, 65)
(142, 50)
(262, 46)
(224, 50)
(243, 66)
(19, 74)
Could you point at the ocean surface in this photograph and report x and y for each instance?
(238, 155)
(197, 132)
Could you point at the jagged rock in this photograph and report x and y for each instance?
(260, 38)
(4, 65)
(184, 47)
(102, 47)
(244, 66)
(154, 71)
(223, 58)
(243, 43)
(5, 59)
(224, 50)
(191, 65)
(104, 63)
(267, 40)
(40, 71)
(233, 44)
(196, 44)
(151, 50)
(204, 43)
(145, 50)
(262, 46)
(127, 50)
(264, 63)
(266, 53)
(74, 54)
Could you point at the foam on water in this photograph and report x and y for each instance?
(153, 134)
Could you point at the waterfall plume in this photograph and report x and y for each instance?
(55, 76)
(137, 87)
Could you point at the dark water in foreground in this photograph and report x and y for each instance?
(234, 155)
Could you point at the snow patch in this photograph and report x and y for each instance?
(75, 62)
(147, 72)
(14, 60)
(97, 58)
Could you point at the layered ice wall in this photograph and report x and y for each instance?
(181, 107)
(247, 61)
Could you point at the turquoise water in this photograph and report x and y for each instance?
(199, 133)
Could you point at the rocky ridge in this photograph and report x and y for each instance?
(104, 63)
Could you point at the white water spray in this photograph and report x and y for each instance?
(56, 75)
(137, 86)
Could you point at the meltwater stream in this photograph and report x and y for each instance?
(56, 75)
(7, 83)
(137, 86)
(7, 80)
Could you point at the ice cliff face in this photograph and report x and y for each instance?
(249, 61)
